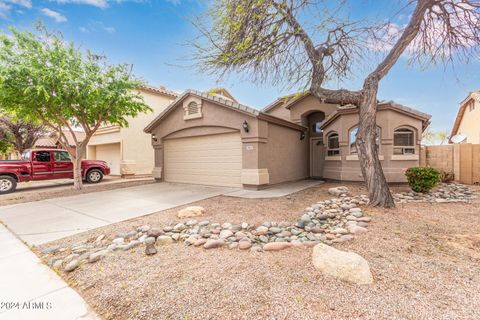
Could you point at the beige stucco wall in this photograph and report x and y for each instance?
(280, 111)
(260, 165)
(137, 156)
(287, 155)
(470, 124)
(348, 168)
(307, 105)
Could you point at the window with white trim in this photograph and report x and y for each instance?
(403, 141)
(352, 139)
(333, 144)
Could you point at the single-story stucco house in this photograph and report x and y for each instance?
(128, 151)
(211, 139)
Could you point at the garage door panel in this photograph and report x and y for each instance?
(204, 149)
(210, 160)
(205, 160)
(185, 155)
(111, 153)
(204, 172)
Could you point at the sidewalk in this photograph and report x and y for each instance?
(31, 290)
(275, 191)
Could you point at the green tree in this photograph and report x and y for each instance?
(316, 44)
(44, 78)
(5, 146)
(430, 137)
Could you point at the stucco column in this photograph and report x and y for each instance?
(157, 172)
(254, 170)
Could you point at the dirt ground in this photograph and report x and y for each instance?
(425, 259)
(36, 191)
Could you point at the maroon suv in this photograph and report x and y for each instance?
(46, 164)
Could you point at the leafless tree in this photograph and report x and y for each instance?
(278, 41)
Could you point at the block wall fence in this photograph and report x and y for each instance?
(461, 159)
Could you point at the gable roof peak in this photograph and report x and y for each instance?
(222, 92)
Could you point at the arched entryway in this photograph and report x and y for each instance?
(314, 120)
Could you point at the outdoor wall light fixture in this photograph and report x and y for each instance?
(245, 126)
(302, 135)
(154, 137)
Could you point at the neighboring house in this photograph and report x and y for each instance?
(128, 150)
(210, 139)
(467, 123)
(51, 140)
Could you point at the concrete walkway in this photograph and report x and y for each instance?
(275, 191)
(47, 220)
(31, 290)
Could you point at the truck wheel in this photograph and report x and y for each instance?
(94, 176)
(7, 184)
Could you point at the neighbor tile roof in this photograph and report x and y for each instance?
(51, 139)
(160, 90)
(45, 142)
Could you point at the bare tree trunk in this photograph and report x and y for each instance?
(376, 183)
(77, 167)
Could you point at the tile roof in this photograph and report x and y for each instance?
(160, 90)
(224, 102)
(382, 104)
(204, 95)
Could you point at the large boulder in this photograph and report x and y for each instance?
(338, 191)
(347, 266)
(189, 212)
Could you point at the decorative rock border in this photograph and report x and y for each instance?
(330, 221)
(443, 193)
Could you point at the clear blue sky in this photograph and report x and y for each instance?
(152, 36)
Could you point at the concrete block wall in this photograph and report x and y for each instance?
(461, 159)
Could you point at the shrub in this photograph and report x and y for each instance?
(422, 179)
(446, 176)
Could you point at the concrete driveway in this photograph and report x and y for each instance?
(47, 220)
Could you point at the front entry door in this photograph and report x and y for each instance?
(317, 157)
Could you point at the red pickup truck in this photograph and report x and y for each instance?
(46, 164)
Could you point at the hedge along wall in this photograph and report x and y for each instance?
(461, 159)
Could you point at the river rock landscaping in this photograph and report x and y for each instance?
(424, 262)
(329, 221)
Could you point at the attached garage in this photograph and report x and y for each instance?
(209, 160)
(111, 153)
(207, 139)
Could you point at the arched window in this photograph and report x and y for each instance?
(403, 141)
(333, 145)
(352, 138)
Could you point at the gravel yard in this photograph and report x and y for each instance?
(424, 258)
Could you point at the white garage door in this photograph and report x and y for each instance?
(111, 154)
(209, 160)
